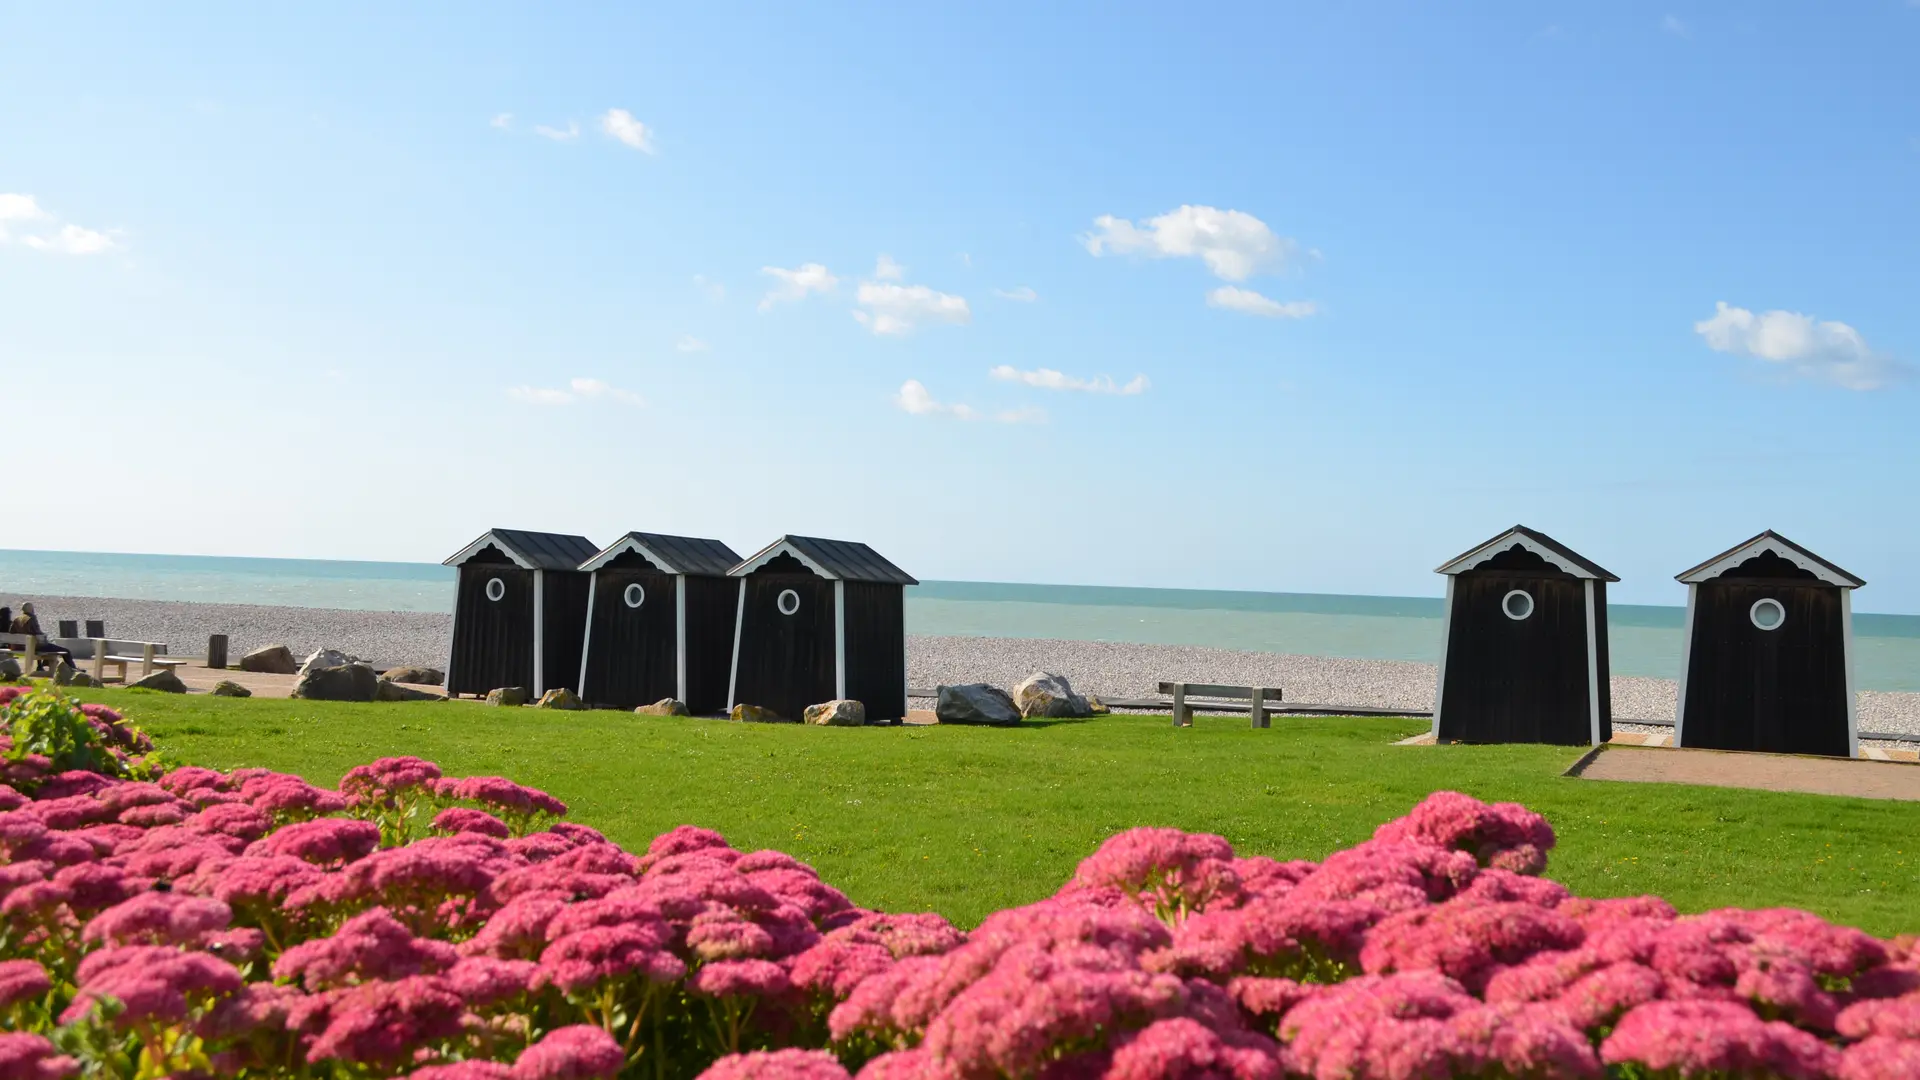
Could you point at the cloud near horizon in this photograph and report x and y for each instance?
(621, 125)
(1249, 302)
(566, 134)
(24, 212)
(797, 284)
(1049, 379)
(1800, 345)
(582, 389)
(915, 398)
(1019, 294)
(896, 309)
(1232, 243)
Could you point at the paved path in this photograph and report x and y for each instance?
(1766, 772)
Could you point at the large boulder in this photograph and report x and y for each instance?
(388, 690)
(164, 680)
(508, 696)
(10, 669)
(1043, 694)
(974, 703)
(80, 680)
(229, 688)
(418, 676)
(840, 712)
(63, 674)
(347, 682)
(755, 714)
(560, 698)
(666, 706)
(327, 659)
(271, 660)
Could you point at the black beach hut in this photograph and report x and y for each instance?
(1525, 655)
(1769, 652)
(518, 611)
(817, 620)
(659, 622)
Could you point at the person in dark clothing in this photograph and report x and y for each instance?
(27, 624)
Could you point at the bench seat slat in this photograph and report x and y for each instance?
(1240, 693)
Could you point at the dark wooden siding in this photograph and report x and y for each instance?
(785, 662)
(1517, 680)
(492, 640)
(876, 649)
(1784, 690)
(632, 654)
(564, 596)
(711, 603)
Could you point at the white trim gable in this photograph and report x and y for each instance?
(586, 636)
(778, 549)
(1593, 670)
(460, 557)
(1762, 544)
(1507, 540)
(624, 545)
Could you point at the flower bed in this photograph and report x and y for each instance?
(159, 921)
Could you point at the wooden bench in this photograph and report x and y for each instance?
(1255, 696)
(152, 655)
(28, 648)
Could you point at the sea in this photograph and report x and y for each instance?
(1644, 640)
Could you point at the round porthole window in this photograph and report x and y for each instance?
(635, 595)
(1767, 614)
(788, 602)
(496, 589)
(1518, 604)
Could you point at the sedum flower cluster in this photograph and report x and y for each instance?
(410, 924)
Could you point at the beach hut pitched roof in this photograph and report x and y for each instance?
(1773, 542)
(530, 550)
(1532, 540)
(836, 560)
(672, 554)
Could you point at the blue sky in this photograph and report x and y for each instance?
(1304, 298)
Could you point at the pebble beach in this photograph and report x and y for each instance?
(1109, 669)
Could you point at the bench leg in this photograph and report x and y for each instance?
(1259, 712)
(100, 660)
(146, 659)
(1182, 716)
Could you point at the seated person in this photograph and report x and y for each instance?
(27, 624)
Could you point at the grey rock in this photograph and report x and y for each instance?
(164, 680)
(347, 682)
(388, 690)
(324, 660)
(1096, 707)
(975, 703)
(63, 674)
(229, 688)
(840, 712)
(666, 706)
(10, 669)
(272, 660)
(508, 696)
(419, 676)
(560, 698)
(1043, 694)
(82, 680)
(755, 714)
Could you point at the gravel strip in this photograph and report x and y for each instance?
(1110, 669)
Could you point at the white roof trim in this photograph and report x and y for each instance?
(780, 548)
(626, 544)
(486, 538)
(1760, 545)
(1507, 540)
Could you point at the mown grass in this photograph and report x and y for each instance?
(967, 820)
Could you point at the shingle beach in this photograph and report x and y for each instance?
(1112, 669)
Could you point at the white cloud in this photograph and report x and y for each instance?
(885, 269)
(1248, 302)
(1826, 351)
(1019, 293)
(1232, 243)
(897, 309)
(566, 134)
(18, 210)
(1049, 379)
(689, 343)
(797, 283)
(1672, 25)
(715, 291)
(582, 389)
(915, 398)
(621, 124)
(502, 121)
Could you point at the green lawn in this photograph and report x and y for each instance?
(966, 820)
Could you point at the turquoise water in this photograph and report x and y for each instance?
(1644, 640)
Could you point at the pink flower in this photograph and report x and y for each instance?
(93, 887)
(1466, 941)
(1268, 997)
(1379, 1027)
(191, 778)
(581, 1052)
(233, 819)
(382, 782)
(159, 918)
(1504, 834)
(11, 799)
(1184, 1049)
(371, 945)
(464, 1070)
(289, 796)
(1526, 1040)
(1880, 1058)
(498, 791)
(741, 978)
(482, 980)
(32, 1057)
(519, 929)
(1898, 1018)
(21, 980)
(151, 983)
(777, 1065)
(1715, 1036)
(1166, 869)
(249, 881)
(465, 819)
(686, 838)
(834, 968)
(379, 1023)
(323, 842)
(70, 812)
(579, 960)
